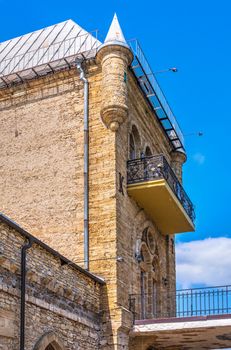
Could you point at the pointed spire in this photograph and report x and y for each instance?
(115, 34)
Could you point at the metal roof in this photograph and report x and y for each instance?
(44, 51)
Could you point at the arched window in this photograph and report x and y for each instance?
(50, 347)
(134, 143)
(149, 275)
(49, 341)
(148, 151)
(144, 279)
(132, 151)
(155, 287)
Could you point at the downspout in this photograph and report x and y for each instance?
(23, 293)
(86, 165)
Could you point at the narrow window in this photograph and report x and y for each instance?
(148, 152)
(132, 153)
(143, 301)
(134, 143)
(154, 298)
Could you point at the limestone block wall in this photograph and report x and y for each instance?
(131, 219)
(41, 182)
(60, 299)
(41, 168)
(102, 208)
(41, 159)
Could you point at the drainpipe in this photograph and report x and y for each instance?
(23, 293)
(86, 165)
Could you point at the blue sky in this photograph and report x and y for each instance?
(193, 36)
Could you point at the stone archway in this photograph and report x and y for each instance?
(49, 341)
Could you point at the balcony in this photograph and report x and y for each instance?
(154, 186)
(185, 303)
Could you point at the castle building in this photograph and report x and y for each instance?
(91, 199)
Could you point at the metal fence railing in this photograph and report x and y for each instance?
(182, 303)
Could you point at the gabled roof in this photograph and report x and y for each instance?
(43, 51)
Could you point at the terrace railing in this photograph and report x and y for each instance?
(155, 95)
(154, 168)
(182, 303)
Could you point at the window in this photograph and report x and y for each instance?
(49, 341)
(143, 294)
(134, 143)
(151, 241)
(50, 347)
(132, 154)
(149, 275)
(148, 151)
(154, 298)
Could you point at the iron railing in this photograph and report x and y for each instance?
(182, 303)
(154, 168)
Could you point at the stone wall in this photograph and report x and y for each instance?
(41, 173)
(41, 181)
(131, 219)
(60, 298)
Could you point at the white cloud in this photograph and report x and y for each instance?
(206, 262)
(199, 158)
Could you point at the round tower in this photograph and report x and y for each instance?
(115, 56)
(178, 159)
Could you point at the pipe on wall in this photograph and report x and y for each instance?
(25, 247)
(86, 163)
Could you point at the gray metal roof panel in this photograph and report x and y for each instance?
(44, 50)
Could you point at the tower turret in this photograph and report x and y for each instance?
(115, 57)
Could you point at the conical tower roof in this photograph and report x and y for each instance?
(115, 37)
(115, 33)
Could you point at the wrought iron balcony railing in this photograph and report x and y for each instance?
(154, 168)
(182, 303)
